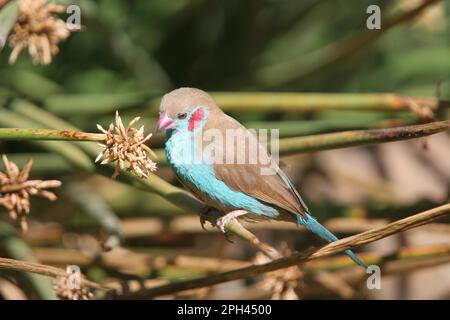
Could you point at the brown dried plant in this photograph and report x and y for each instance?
(38, 29)
(282, 283)
(16, 189)
(126, 146)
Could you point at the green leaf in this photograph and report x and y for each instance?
(8, 17)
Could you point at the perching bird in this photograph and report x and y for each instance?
(199, 139)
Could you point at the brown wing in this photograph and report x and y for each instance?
(248, 177)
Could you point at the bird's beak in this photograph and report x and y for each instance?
(164, 122)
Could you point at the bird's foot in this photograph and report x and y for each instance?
(222, 221)
(204, 214)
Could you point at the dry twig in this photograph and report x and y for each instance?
(299, 258)
(49, 271)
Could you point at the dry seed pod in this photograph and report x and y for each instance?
(126, 146)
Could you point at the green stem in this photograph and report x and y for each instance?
(8, 17)
(345, 139)
(69, 151)
(295, 102)
(87, 104)
(286, 146)
(359, 137)
(48, 134)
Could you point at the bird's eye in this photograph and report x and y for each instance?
(182, 115)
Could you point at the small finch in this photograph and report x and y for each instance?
(240, 190)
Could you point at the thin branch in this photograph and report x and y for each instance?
(351, 138)
(44, 270)
(48, 134)
(299, 258)
(310, 143)
(359, 137)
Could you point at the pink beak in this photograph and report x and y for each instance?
(165, 122)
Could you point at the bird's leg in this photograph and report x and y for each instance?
(222, 221)
(204, 215)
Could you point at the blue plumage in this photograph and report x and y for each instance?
(237, 190)
(313, 225)
(180, 152)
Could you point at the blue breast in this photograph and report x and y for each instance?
(180, 152)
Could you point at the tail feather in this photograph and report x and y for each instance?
(312, 224)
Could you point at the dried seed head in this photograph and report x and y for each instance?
(38, 29)
(282, 283)
(16, 189)
(126, 146)
(64, 291)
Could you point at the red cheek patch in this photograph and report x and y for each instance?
(195, 120)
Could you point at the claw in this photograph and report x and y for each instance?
(203, 213)
(233, 215)
(202, 222)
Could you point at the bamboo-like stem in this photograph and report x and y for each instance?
(359, 137)
(76, 104)
(351, 138)
(300, 258)
(307, 102)
(67, 150)
(8, 17)
(49, 271)
(140, 263)
(311, 143)
(330, 263)
(48, 134)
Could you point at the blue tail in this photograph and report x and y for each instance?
(313, 225)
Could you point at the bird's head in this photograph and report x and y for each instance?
(185, 109)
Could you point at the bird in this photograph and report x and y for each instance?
(253, 188)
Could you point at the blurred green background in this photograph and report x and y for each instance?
(130, 52)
